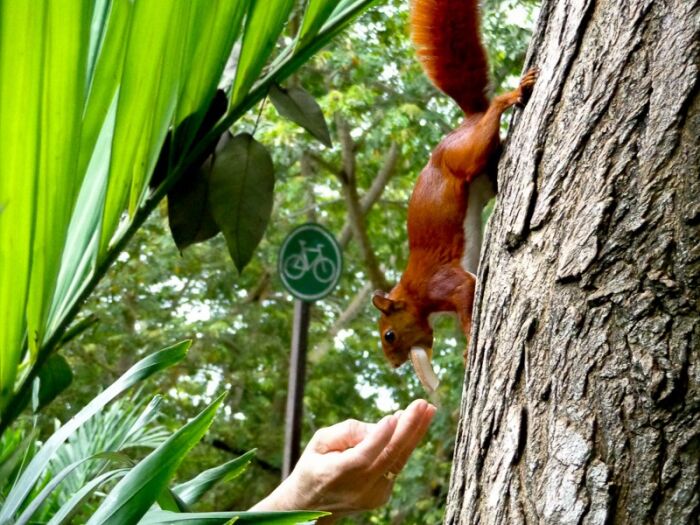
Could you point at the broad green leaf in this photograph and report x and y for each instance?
(344, 12)
(163, 517)
(241, 195)
(147, 98)
(191, 491)
(35, 46)
(70, 507)
(131, 498)
(168, 500)
(317, 12)
(266, 19)
(80, 255)
(214, 27)
(291, 59)
(140, 371)
(159, 517)
(64, 59)
(110, 34)
(300, 107)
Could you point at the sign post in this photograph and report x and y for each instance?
(310, 264)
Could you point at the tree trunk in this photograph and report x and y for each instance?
(581, 403)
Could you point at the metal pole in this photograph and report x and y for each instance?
(295, 388)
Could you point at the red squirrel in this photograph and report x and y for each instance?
(444, 212)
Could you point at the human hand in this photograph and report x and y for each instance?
(351, 466)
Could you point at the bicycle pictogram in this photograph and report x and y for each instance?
(308, 259)
(310, 262)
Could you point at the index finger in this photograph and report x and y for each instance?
(341, 436)
(404, 453)
(409, 431)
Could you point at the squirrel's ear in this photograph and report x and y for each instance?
(382, 302)
(386, 305)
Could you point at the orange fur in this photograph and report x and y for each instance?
(446, 34)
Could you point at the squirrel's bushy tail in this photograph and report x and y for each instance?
(448, 44)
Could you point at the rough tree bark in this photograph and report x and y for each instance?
(581, 403)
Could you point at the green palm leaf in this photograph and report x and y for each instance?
(266, 19)
(131, 498)
(39, 133)
(191, 491)
(317, 12)
(31, 474)
(70, 507)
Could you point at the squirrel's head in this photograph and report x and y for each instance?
(405, 334)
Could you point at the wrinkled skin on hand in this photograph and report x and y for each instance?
(342, 469)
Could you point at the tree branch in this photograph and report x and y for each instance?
(375, 191)
(348, 179)
(222, 445)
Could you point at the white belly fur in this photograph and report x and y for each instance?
(480, 192)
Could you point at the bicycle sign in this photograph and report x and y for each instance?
(310, 262)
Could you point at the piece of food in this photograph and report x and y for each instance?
(424, 369)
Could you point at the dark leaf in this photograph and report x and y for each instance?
(298, 106)
(54, 377)
(189, 217)
(182, 134)
(241, 188)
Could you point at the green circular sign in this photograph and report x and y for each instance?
(310, 262)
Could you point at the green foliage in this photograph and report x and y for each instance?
(87, 98)
(126, 424)
(55, 481)
(131, 498)
(31, 475)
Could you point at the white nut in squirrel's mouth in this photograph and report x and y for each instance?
(424, 369)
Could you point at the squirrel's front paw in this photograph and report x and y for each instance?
(526, 85)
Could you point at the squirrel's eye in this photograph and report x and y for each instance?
(389, 336)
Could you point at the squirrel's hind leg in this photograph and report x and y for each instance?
(464, 301)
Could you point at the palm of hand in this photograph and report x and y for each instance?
(349, 467)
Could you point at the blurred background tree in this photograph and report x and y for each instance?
(385, 118)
